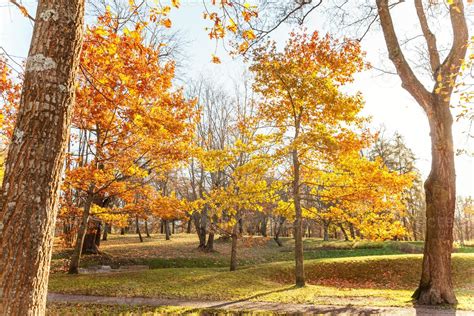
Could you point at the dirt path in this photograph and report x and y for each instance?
(245, 305)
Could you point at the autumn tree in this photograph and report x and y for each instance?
(130, 121)
(35, 157)
(301, 99)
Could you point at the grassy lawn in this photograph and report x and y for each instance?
(182, 252)
(357, 273)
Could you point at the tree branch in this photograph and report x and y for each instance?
(430, 39)
(409, 80)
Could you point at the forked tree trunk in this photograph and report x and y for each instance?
(346, 237)
(35, 158)
(436, 286)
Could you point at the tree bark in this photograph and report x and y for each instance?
(352, 231)
(436, 286)
(138, 229)
(147, 232)
(346, 237)
(278, 225)
(325, 231)
(298, 223)
(233, 251)
(35, 158)
(188, 228)
(263, 226)
(106, 232)
(167, 230)
(81, 233)
(210, 242)
(440, 188)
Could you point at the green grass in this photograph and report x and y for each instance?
(182, 252)
(374, 280)
(66, 309)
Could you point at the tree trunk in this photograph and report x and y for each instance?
(346, 237)
(92, 238)
(263, 226)
(210, 242)
(278, 225)
(167, 230)
(173, 227)
(147, 232)
(241, 226)
(298, 223)
(122, 231)
(210, 238)
(189, 226)
(138, 228)
(352, 231)
(81, 233)
(106, 232)
(199, 223)
(35, 158)
(436, 286)
(440, 188)
(233, 251)
(325, 231)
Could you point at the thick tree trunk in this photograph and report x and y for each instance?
(122, 231)
(35, 158)
(81, 233)
(92, 238)
(233, 251)
(138, 229)
(440, 188)
(436, 286)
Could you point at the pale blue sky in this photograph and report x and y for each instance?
(386, 101)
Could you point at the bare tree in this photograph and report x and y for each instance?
(436, 286)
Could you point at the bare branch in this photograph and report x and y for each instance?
(430, 39)
(409, 80)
